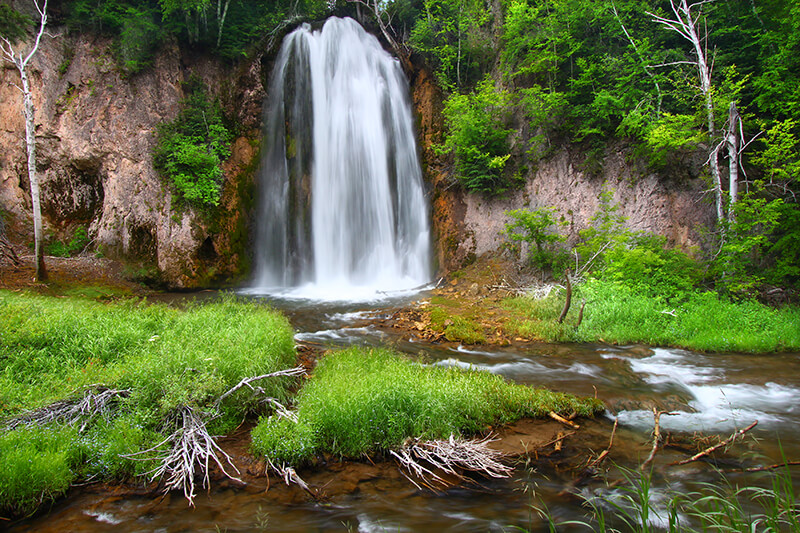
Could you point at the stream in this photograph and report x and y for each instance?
(712, 394)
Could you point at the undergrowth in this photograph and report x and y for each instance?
(368, 400)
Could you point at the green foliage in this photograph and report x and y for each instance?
(190, 150)
(52, 348)
(450, 34)
(35, 466)
(478, 137)
(607, 231)
(139, 37)
(78, 243)
(360, 401)
(648, 266)
(537, 227)
(13, 24)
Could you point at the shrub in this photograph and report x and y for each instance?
(537, 227)
(190, 150)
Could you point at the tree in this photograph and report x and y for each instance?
(21, 61)
(685, 23)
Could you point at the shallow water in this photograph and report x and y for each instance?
(711, 394)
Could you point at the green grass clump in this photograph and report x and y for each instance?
(168, 359)
(360, 401)
(456, 328)
(35, 465)
(702, 321)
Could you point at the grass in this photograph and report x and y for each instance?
(720, 507)
(51, 348)
(456, 328)
(366, 400)
(702, 321)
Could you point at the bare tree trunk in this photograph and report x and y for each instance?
(30, 133)
(221, 19)
(685, 24)
(30, 143)
(732, 141)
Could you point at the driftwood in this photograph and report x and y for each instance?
(95, 401)
(451, 457)
(715, 447)
(656, 437)
(558, 418)
(772, 467)
(191, 447)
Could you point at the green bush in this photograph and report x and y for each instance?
(191, 149)
(537, 228)
(78, 243)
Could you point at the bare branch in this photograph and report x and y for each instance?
(246, 382)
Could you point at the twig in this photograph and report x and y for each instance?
(772, 467)
(192, 447)
(96, 400)
(290, 476)
(656, 437)
(717, 446)
(600, 458)
(558, 418)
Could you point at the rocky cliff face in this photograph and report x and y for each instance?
(95, 131)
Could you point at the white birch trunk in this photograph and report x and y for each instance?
(29, 112)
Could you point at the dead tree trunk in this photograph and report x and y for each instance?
(685, 24)
(21, 62)
(732, 142)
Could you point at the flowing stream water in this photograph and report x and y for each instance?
(712, 394)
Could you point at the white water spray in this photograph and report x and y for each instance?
(342, 210)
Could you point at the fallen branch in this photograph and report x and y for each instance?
(96, 401)
(246, 382)
(558, 418)
(717, 446)
(191, 447)
(600, 458)
(451, 457)
(656, 437)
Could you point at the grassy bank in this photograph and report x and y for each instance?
(617, 314)
(161, 360)
(361, 401)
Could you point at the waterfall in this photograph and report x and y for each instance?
(342, 211)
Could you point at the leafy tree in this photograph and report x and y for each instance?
(190, 150)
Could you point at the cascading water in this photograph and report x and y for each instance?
(342, 209)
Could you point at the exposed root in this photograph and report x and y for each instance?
(191, 447)
(452, 457)
(97, 400)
